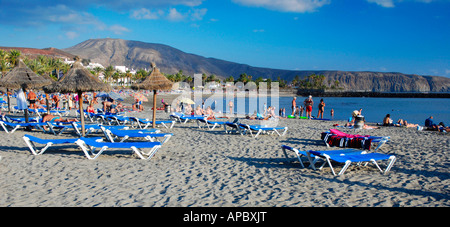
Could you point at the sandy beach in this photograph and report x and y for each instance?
(202, 168)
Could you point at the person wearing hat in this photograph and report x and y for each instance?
(308, 106)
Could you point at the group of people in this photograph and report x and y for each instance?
(308, 107)
(429, 123)
(57, 101)
(269, 113)
(387, 121)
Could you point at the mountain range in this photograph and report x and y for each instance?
(139, 55)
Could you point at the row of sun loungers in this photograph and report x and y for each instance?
(253, 130)
(230, 127)
(116, 131)
(354, 148)
(89, 145)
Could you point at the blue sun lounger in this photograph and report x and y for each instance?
(20, 119)
(210, 124)
(145, 123)
(95, 127)
(346, 156)
(185, 118)
(354, 157)
(234, 127)
(312, 158)
(31, 142)
(148, 134)
(381, 140)
(89, 145)
(263, 129)
(118, 119)
(16, 126)
(57, 128)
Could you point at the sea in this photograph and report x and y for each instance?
(413, 110)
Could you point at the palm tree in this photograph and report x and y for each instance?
(211, 77)
(65, 68)
(229, 79)
(55, 65)
(4, 66)
(189, 80)
(108, 71)
(14, 56)
(128, 75)
(34, 65)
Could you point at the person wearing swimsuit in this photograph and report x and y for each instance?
(308, 105)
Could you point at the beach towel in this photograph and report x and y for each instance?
(339, 133)
(344, 140)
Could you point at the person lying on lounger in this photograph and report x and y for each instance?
(402, 122)
(50, 118)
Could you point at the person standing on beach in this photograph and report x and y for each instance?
(294, 104)
(308, 106)
(230, 104)
(32, 99)
(321, 109)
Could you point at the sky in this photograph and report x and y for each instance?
(406, 36)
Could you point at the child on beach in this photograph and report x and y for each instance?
(294, 104)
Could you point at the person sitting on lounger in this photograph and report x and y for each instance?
(210, 113)
(199, 111)
(50, 118)
(90, 108)
(113, 108)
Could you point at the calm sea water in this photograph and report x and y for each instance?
(414, 110)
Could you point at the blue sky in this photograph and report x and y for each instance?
(407, 36)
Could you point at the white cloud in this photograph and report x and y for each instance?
(392, 3)
(72, 35)
(171, 14)
(174, 15)
(146, 14)
(299, 6)
(258, 30)
(198, 14)
(384, 3)
(118, 29)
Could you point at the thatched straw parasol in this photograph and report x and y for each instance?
(23, 77)
(78, 80)
(155, 81)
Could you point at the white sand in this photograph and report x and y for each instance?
(198, 167)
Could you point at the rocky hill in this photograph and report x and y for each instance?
(33, 53)
(139, 55)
